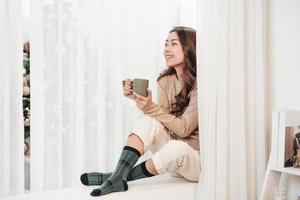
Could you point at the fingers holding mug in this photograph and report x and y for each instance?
(127, 87)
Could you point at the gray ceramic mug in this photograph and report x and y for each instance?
(139, 86)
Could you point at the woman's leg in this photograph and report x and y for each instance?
(148, 134)
(134, 141)
(140, 171)
(117, 181)
(150, 167)
(96, 178)
(138, 141)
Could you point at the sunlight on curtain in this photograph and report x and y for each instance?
(231, 75)
(11, 122)
(80, 52)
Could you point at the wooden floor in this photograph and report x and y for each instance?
(155, 188)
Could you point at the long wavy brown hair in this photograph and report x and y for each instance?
(187, 39)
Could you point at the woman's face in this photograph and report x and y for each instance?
(173, 50)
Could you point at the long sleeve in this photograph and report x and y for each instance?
(183, 125)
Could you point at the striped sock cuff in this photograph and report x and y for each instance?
(128, 148)
(144, 169)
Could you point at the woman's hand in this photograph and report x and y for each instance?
(26, 89)
(143, 103)
(127, 87)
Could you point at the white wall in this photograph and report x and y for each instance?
(284, 53)
(284, 63)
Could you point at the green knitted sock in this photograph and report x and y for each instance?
(138, 172)
(97, 178)
(117, 181)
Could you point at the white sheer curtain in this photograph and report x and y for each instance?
(231, 60)
(11, 122)
(80, 53)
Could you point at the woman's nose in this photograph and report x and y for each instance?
(167, 49)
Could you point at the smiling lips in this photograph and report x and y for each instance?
(168, 57)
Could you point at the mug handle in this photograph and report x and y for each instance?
(123, 82)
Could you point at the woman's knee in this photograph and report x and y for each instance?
(147, 126)
(146, 130)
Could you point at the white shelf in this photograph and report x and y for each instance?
(287, 170)
(276, 177)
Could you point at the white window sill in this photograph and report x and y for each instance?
(155, 188)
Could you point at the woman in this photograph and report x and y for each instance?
(169, 128)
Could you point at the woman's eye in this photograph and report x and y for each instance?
(174, 43)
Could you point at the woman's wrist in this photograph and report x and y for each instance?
(149, 109)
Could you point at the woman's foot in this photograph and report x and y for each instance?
(113, 184)
(94, 178)
(138, 172)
